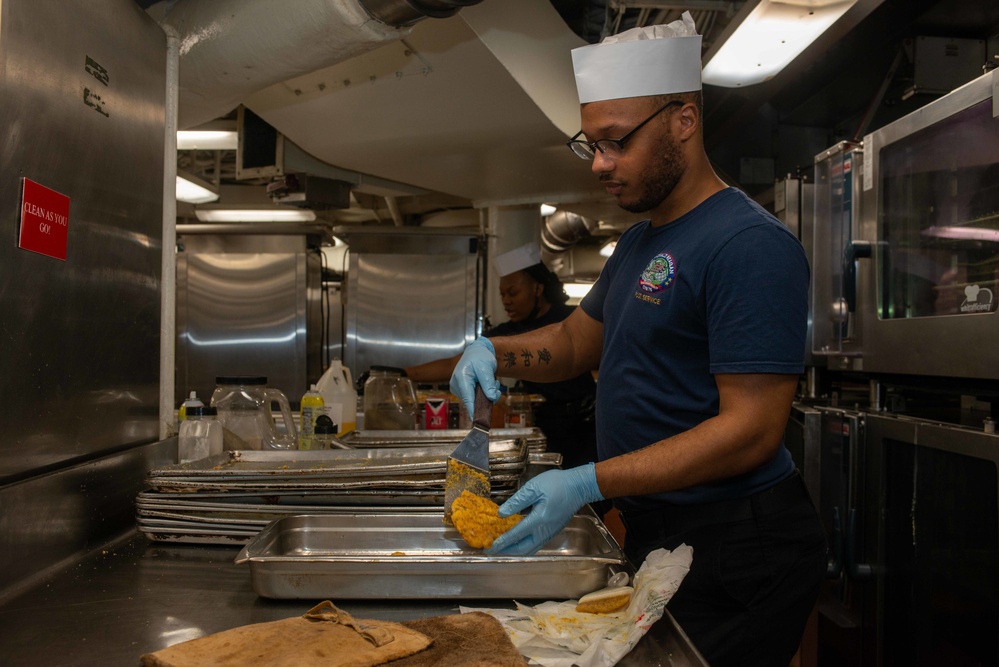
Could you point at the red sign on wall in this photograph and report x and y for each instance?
(44, 220)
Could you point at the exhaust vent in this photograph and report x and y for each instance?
(562, 230)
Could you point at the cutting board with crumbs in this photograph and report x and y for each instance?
(474, 639)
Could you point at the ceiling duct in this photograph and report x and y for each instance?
(561, 230)
(400, 13)
(230, 49)
(312, 192)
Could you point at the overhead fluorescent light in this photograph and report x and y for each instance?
(547, 209)
(207, 140)
(773, 34)
(577, 290)
(194, 190)
(254, 214)
(607, 249)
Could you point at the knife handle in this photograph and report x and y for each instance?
(483, 416)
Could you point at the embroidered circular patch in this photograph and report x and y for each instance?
(659, 274)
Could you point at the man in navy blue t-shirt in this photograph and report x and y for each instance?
(697, 324)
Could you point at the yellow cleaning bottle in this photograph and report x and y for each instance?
(192, 401)
(310, 408)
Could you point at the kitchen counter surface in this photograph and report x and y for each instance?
(136, 596)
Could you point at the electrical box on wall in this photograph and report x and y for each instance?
(942, 64)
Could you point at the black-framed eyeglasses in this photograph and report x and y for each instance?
(611, 148)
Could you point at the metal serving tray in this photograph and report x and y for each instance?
(371, 438)
(368, 497)
(416, 483)
(247, 464)
(415, 556)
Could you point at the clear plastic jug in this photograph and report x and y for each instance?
(389, 400)
(244, 410)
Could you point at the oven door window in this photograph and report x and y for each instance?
(939, 219)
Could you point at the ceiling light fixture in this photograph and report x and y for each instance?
(254, 214)
(547, 209)
(772, 34)
(577, 290)
(206, 140)
(607, 249)
(194, 190)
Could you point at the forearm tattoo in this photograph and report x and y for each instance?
(527, 358)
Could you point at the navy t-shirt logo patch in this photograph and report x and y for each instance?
(659, 274)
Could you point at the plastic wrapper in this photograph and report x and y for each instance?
(682, 27)
(554, 634)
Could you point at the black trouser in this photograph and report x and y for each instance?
(755, 575)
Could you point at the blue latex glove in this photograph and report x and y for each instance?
(476, 366)
(553, 497)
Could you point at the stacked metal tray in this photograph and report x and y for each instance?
(396, 555)
(536, 440)
(228, 498)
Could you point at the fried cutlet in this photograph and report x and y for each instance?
(478, 521)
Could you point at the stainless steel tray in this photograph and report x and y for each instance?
(415, 556)
(248, 464)
(387, 497)
(535, 438)
(411, 483)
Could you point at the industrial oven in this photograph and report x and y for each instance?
(793, 205)
(930, 214)
(836, 256)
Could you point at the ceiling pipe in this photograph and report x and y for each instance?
(230, 49)
(393, 206)
(401, 13)
(561, 230)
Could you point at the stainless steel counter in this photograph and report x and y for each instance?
(136, 596)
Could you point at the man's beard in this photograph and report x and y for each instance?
(661, 178)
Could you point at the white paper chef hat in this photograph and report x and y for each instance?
(655, 60)
(518, 259)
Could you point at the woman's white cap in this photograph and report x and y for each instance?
(655, 60)
(517, 259)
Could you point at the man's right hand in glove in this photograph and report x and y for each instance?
(476, 366)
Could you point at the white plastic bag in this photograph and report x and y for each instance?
(554, 634)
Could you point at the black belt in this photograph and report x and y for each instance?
(673, 519)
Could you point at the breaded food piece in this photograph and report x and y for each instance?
(605, 600)
(477, 520)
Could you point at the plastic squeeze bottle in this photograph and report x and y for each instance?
(324, 434)
(311, 407)
(200, 435)
(191, 401)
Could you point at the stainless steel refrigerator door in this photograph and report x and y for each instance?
(843, 502)
(934, 542)
(248, 305)
(411, 298)
(82, 94)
